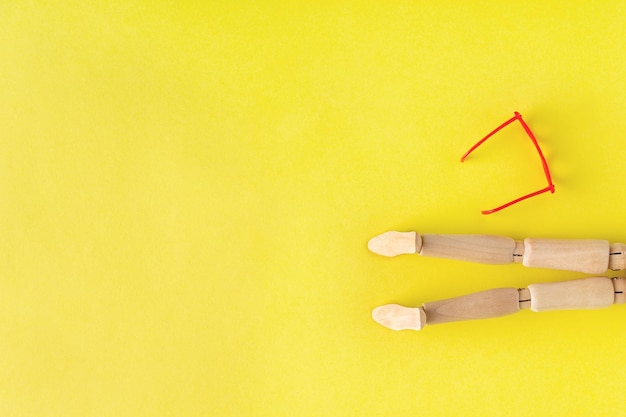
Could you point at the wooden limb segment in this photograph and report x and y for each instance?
(484, 249)
(586, 293)
(481, 305)
(582, 255)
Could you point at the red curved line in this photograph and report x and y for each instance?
(517, 200)
(544, 163)
(493, 132)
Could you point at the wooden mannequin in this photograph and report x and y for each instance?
(590, 256)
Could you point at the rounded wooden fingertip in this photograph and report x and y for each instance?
(395, 243)
(397, 317)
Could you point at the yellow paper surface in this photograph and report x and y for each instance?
(187, 190)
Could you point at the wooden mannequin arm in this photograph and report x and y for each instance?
(591, 256)
(587, 293)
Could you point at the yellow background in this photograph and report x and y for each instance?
(187, 190)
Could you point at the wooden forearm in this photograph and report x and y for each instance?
(587, 293)
(481, 305)
(583, 255)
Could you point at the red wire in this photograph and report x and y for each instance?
(496, 130)
(544, 163)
